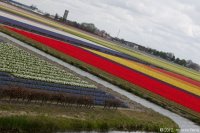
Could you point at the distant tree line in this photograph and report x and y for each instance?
(171, 57)
(164, 55)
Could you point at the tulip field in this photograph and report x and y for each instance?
(171, 86)
(58, 78)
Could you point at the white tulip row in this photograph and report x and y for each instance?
(23, 64)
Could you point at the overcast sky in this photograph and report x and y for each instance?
(167, 25)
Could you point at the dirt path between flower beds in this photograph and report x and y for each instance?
(183, 123)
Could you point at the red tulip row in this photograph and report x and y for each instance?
(165, 90)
